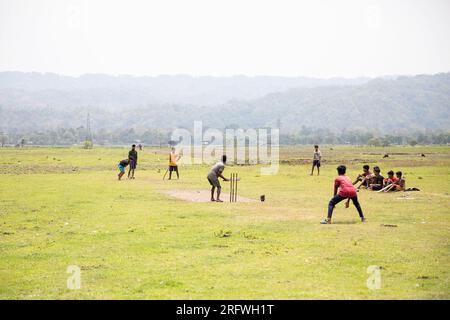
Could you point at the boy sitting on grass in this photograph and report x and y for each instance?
(346, 191)
(377, 181)
(390, 179)
(364, 177)
(122, 165)
(398, 185)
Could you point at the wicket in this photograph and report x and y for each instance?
(233, 187)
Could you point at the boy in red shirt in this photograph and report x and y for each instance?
(346, 191)
(390, 179)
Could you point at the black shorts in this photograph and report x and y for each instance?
(133, 164)
(316, 163)
(173, 168)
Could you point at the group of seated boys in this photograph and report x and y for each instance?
(376, 182)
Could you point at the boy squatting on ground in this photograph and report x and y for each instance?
(213, 178)
(317, 157)
(346, 190)
(122, 165)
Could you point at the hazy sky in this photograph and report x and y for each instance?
(227, 37)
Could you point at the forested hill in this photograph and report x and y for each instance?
(117, 92)
(404, 103)
(390, 104)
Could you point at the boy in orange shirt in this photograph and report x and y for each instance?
(173, 158)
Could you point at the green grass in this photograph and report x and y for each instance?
(64, 206)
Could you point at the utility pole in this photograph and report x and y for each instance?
(3, 138)
(88, 141)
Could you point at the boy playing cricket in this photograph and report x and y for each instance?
(213, 178)
(343, 189)
(173, 158)
(122, 165)
(132, 156)
(317, 157)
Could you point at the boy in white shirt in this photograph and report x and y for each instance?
(213, 178)
(316, 160)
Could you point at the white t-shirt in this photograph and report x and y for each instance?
(216, 170)
(317, 155)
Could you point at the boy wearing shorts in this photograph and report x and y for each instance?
(317, 157)
(213, 178)
(122, 165)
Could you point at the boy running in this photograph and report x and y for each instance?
(122, 165)
(317, 157)
(347, 190)
(213, 178)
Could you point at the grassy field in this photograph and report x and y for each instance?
(64, 206)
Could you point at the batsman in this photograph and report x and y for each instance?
(213, 178)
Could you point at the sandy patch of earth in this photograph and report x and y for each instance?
(202, 196)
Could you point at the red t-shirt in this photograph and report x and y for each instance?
(390, 180)
(346, 187)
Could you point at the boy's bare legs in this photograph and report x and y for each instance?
(219, 189)
(130, 173)
(178, 175)
(212, 193)
(120, 175)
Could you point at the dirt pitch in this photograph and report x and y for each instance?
(202, 196)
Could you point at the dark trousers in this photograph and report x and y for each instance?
(337, 198)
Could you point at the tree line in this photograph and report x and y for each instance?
(161, 137)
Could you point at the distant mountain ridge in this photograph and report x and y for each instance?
(134, 91)
(388, 104)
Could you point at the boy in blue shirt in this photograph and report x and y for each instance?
(122, 165)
